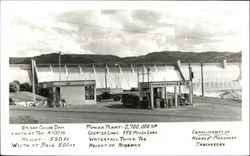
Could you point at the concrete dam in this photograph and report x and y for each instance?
(217, 77)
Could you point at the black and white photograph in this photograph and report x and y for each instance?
(84, 66)
(174, 62)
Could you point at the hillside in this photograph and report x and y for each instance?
(168, 57)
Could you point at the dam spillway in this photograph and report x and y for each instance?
(217, 78)
(110, 76)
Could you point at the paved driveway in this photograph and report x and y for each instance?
(204, 109)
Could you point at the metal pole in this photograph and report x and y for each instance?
(33, 81)
(202, 87)
(151, 97)
(148, 73)
(116, 76)
(175, 97)
(105, 76)
(143, 73)
(179, 89)
(60, 76)
(138, 77)
(191, 85)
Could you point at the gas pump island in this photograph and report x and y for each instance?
(154, 94)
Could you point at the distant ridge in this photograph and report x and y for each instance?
(165, 57)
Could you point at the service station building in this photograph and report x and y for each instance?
(78, 92)
(155, 94)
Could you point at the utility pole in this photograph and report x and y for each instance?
(148, 73)
(116, 75)
(33, 81)
(143, 73)
(191, 85)
(106, 76)
(60, 76)
(138, 76)
(202, 87)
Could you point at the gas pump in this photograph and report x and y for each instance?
(157, 97)
(146, 98)
(160, 97)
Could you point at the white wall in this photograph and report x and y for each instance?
(75, 95)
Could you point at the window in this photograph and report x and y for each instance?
(89, 93)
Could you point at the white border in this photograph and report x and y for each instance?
(241, 127)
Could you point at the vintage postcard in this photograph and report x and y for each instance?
(124, 78)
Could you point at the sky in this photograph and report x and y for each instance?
(121, 29)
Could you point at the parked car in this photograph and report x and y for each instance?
(107, 95)
(130, 99)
